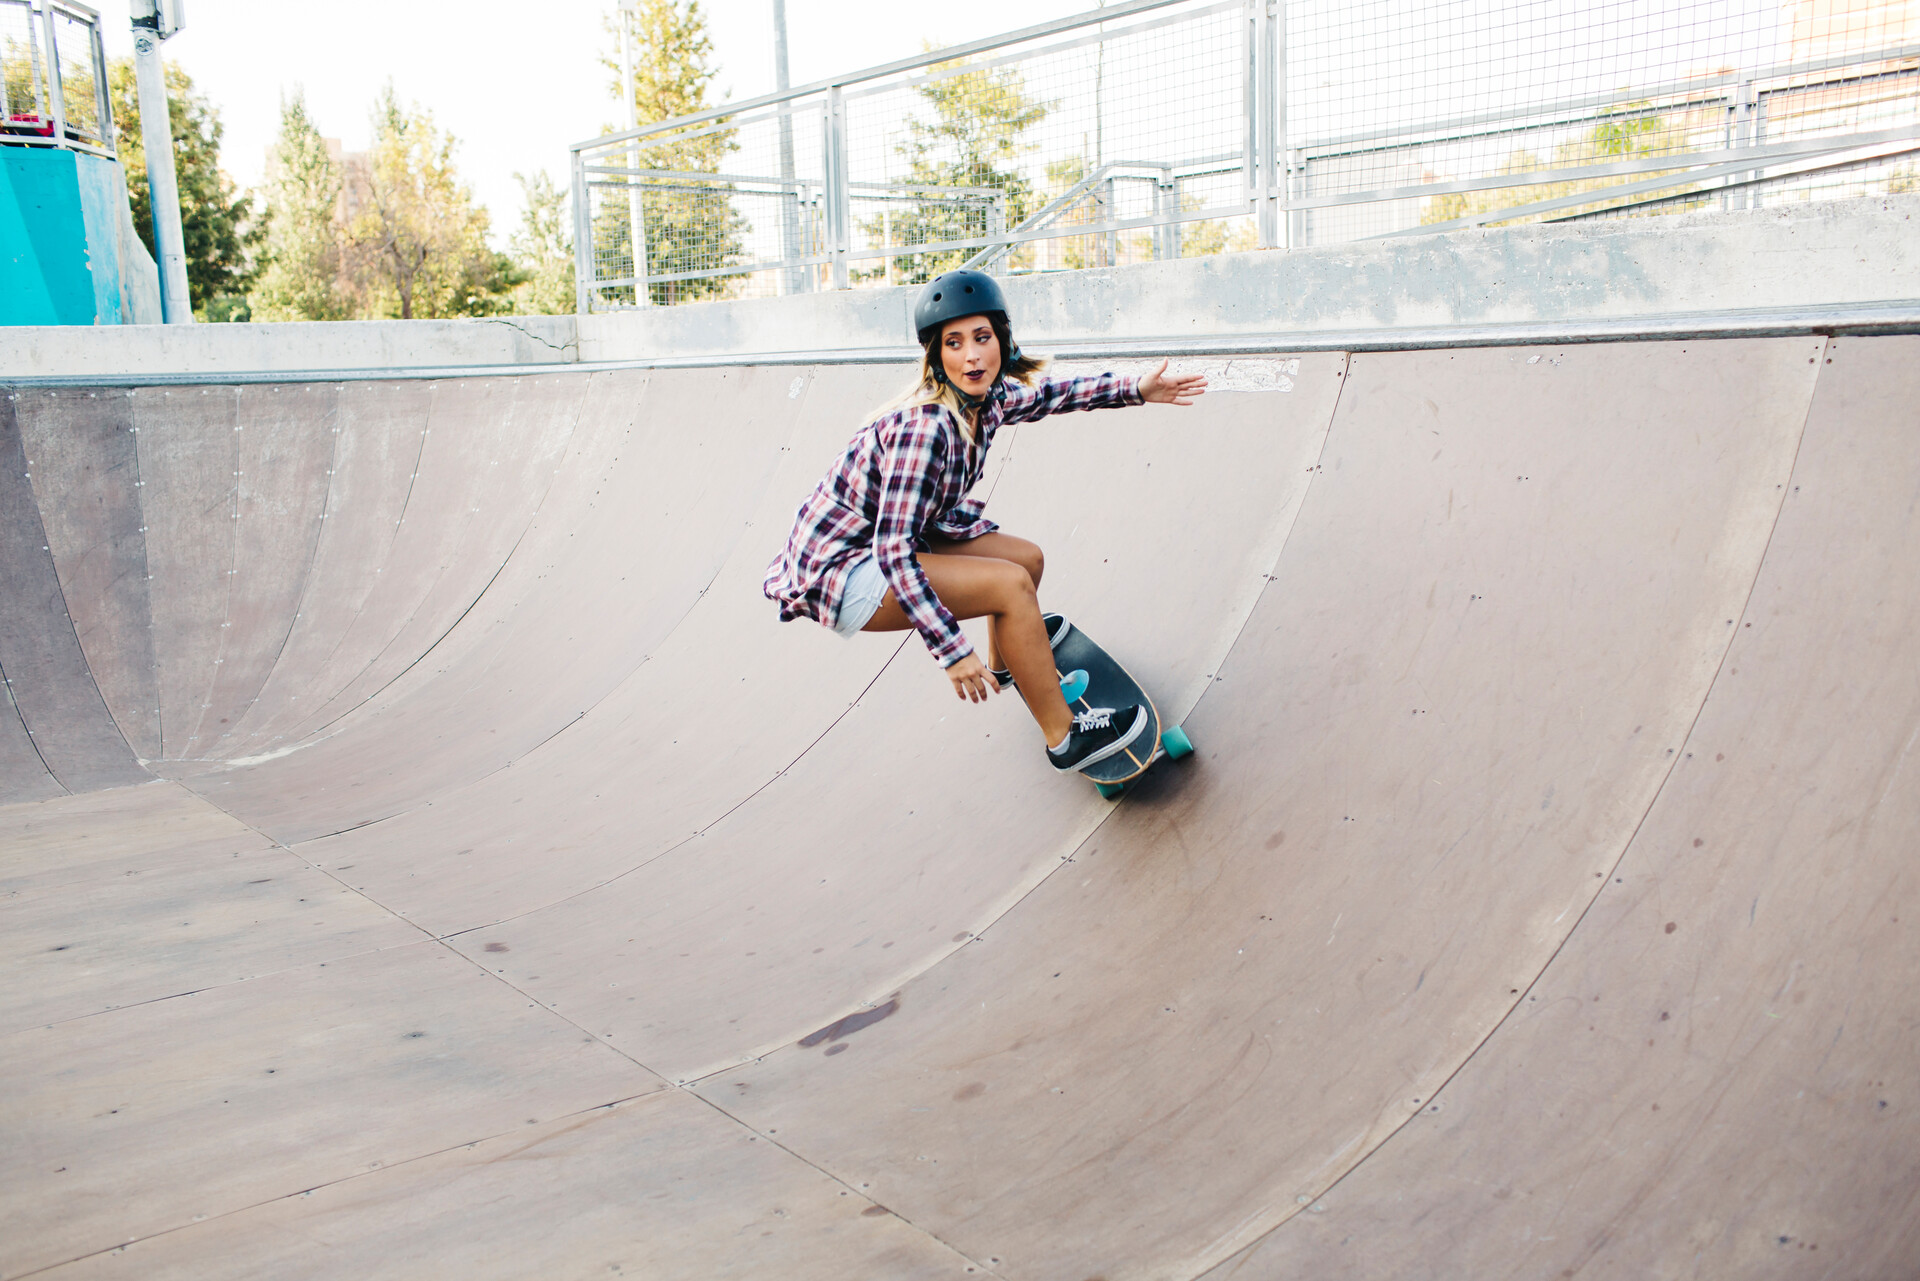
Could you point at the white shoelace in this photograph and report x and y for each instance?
(1094, 718)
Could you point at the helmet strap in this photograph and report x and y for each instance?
(972, 403)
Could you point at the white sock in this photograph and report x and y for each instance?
(1060, 748)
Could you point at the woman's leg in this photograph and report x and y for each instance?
(1002, 592)
(999, 546)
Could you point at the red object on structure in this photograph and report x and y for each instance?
(28, 124)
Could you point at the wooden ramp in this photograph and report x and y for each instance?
(423, 853)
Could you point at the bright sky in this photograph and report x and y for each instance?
(515, 83)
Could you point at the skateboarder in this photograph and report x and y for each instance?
(889, 540)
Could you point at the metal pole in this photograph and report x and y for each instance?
(583, 287)
(839, 203)
(102, 92)
(1276, 178)
(176, 305)
(1253, 142)
(40, 105)
(636, 217)
(794, 278)
(56, 91)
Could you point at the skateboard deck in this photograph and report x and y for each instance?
(1111, 685)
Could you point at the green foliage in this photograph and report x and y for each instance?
(974, 139)
(691, 223)
(301, 275)
(16, 75)
(1623, 137)
(216, 221)
(542, 250)
(417, 245)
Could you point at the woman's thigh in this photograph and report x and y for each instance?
(969, 586)
(998, 545)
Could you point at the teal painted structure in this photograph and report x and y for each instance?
(68, 251)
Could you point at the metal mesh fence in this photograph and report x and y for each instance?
(1476, 114)
(53, 68)
(1159, 129)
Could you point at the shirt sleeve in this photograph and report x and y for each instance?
(1059, 395)
(912, 452)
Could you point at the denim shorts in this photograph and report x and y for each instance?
(866, 588)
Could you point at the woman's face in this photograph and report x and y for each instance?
(970, 353)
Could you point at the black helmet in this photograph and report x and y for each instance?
(954, 294)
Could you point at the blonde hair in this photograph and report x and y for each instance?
(930, 389)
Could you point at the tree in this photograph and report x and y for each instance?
(973, 140)
(300, 277)
(1624, 137)
(216, 221)
(691, 223)
(418, 241)
(542, 250)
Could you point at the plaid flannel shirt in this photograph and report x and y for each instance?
(904, 476)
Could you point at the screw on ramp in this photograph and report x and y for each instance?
(1537, 901)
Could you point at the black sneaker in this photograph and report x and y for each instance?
(1057, 628)
(1099, 733)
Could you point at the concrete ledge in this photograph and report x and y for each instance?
(149, 351)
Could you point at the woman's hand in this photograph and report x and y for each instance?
(1180, 389)
(971, 681)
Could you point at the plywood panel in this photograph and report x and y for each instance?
(664, 1186)
(188, 497)
(55, 699)
(134, 894)
(1499, 610)
(283, 451)
(489, 454)
(23, 775)
(86, 468)
(343, 615)
(1715, 1076)
(144, 1119)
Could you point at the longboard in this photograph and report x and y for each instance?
(1110, 685)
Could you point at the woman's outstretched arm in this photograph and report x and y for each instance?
(1160, 388)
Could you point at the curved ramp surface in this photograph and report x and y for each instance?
(422, 853)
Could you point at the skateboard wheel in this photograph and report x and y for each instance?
(1073, 686)
(1175, 742)
(1112, 791)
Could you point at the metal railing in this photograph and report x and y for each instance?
(55, 72)
(1153, 129)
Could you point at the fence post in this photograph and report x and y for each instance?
(839, 204)
(583, 284)
(1252, 68)
(102, 94)
(56, 90)
(636, 215)
(1278, 189)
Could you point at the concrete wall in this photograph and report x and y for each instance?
(1605, 273)
(1737, 272)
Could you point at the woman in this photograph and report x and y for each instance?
(889, 541)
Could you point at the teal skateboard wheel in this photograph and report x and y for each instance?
(1073, 686)
(1111, 791)
(1174, 741)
